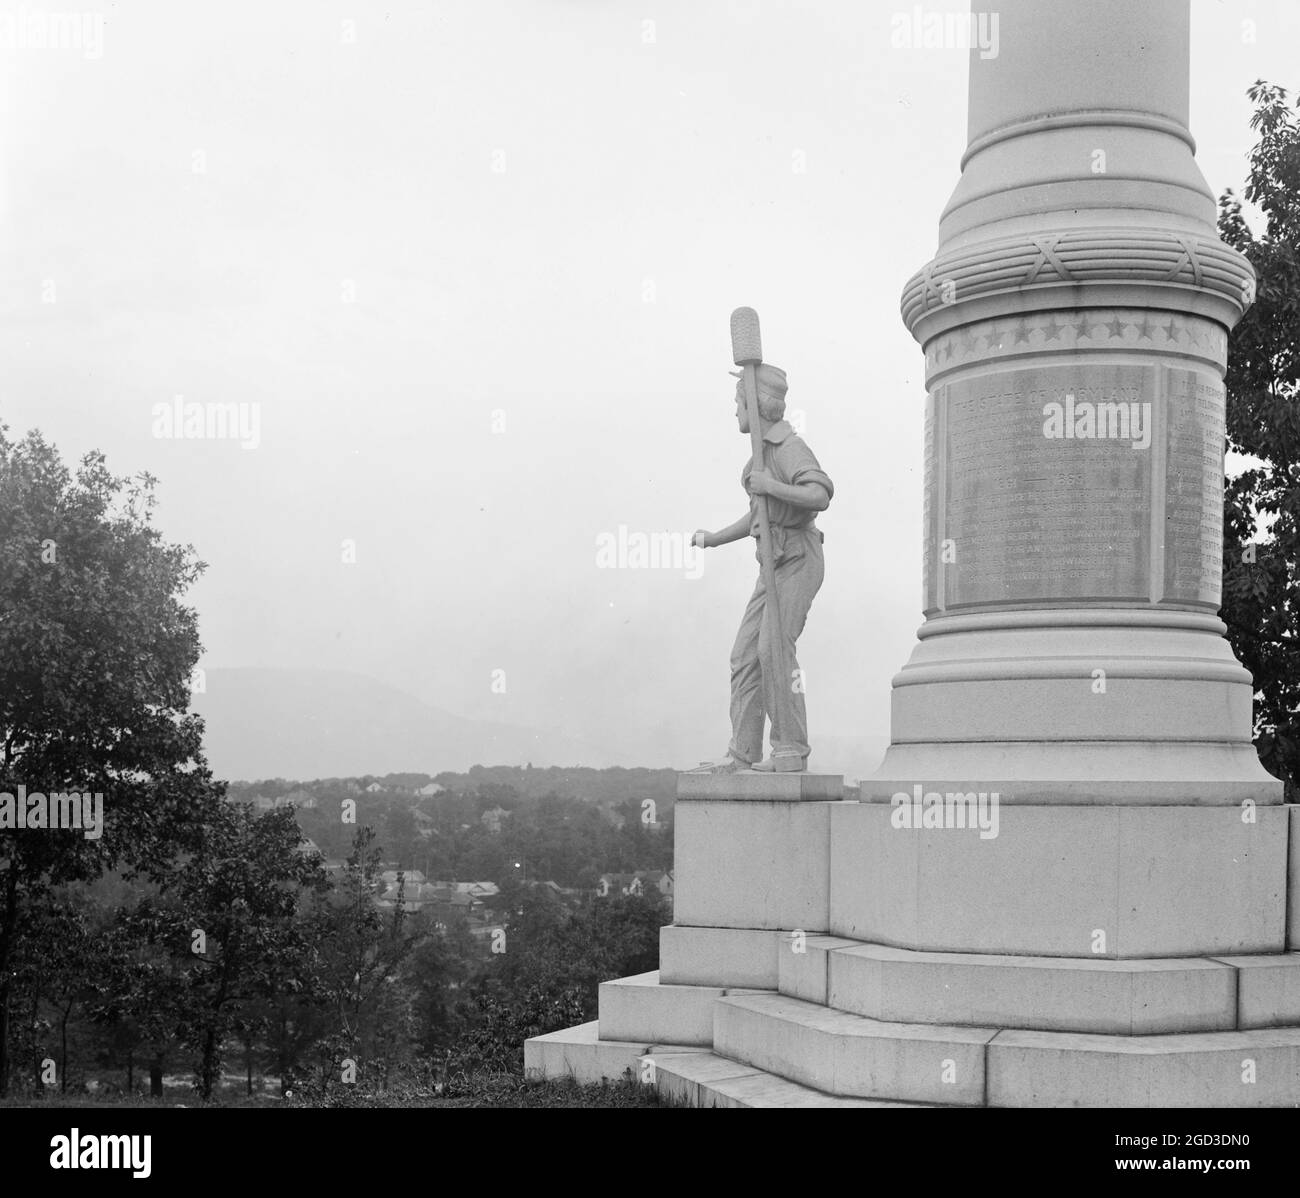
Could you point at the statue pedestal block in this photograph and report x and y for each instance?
(1064, 881)
(753, 850)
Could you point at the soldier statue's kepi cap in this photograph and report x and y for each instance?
(769, 378)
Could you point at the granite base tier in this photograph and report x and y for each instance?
(1120, 882)
(774, 1049)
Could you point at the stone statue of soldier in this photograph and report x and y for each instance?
(765, 677)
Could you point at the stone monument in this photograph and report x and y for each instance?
(1070, 883)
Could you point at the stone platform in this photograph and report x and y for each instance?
(788, 1009)
(806, 1044)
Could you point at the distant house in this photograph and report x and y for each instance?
(658, 879)
(413, 876)
(431, 789)
(266, 803)
(641, 882)
(492, 817)
(416, 895)
(440, 897)
(615, 884)
(374, 788)
(478, 890)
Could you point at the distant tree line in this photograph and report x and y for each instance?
(550, 838)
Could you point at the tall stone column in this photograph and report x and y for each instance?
(1074, 322)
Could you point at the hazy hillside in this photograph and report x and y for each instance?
(588, 785)
(265, 723)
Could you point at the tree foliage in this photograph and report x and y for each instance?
(1261, 604)
(232, 929)
(96, 654)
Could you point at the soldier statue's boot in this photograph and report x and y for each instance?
(782, 763)
(728, 765)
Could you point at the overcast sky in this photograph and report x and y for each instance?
(473, 260)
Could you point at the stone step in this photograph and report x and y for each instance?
(704, 1079)
(1214, 1069)
(579, 1053)
(778, 1051)
(642, 1008)
(1268, 990)
(705, 956)
(1098, 995)
(849, 1055)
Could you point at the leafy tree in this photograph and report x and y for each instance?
(499, 1027)
(1262, 503)
(138, 999)
(232, 927)
(549, 975)
(402, 836)
(68, 968)
(361, 952)
(96, 654)
(292, 1024)
(612, 938)
(437, 971)
(496, 794)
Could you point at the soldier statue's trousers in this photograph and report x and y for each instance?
(757, 671)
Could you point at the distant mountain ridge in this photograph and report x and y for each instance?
(283, 723)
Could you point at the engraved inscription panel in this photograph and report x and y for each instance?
(1194, 488)
(1049, 476)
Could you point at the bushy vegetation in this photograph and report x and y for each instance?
(257, 961)
(188, 934)
(1261, 526)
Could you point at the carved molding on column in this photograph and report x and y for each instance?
(1105, 329)
(1077, 268)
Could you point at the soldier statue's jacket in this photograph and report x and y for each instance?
(789, 460)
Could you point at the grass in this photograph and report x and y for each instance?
(489, 1091)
